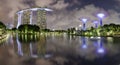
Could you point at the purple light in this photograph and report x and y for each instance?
(100, 50)
(101, 15)
(95, 22)
(84, 20)
(84, 46)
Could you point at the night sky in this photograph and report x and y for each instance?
(66, 12)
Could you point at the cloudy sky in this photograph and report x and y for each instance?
(66, 12)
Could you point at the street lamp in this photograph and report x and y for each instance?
(84, 20)
(100, 16)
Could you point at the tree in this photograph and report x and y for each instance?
(2, 25)
(27, 28)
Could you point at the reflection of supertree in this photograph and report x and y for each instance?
(100, 48)
(32, 45)
(83, 41)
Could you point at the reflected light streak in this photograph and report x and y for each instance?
(84, 46)
(19, 47)
(31, 17)
(19, 18)
(100, 50)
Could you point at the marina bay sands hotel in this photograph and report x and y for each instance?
(33, 16)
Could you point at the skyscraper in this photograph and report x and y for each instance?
(35, 16)
(26, 17)
(41, 19)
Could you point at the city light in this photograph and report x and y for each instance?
(84, 20)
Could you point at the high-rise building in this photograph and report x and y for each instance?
(15, 20)
(41, 19)
(35, 16)
(26, 17)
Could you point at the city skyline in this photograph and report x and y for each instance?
(66, 12)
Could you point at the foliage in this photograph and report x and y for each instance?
(28, 28)
(106, 30)
(2, 25)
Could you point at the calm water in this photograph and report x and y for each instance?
(71, 50)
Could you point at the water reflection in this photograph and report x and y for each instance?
(84, 42)
(29, 45)
(19, 46)
(100, 48)
(63, 48)
(47, 45)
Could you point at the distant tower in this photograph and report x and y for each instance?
(26, 17)
(41, 19)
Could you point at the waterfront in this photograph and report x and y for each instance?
(60, 49)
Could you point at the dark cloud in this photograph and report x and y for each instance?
(105, 4)
(66, 12)
(31, 3)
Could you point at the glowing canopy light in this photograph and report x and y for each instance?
(95, 22)
(84, 20)
(100, 50)
(101, 15)
(84, 46)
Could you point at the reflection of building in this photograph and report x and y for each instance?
(35, 16)
(34, 46)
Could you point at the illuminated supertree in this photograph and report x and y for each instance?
(84, 20)
(101, 16)
(95, 22)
